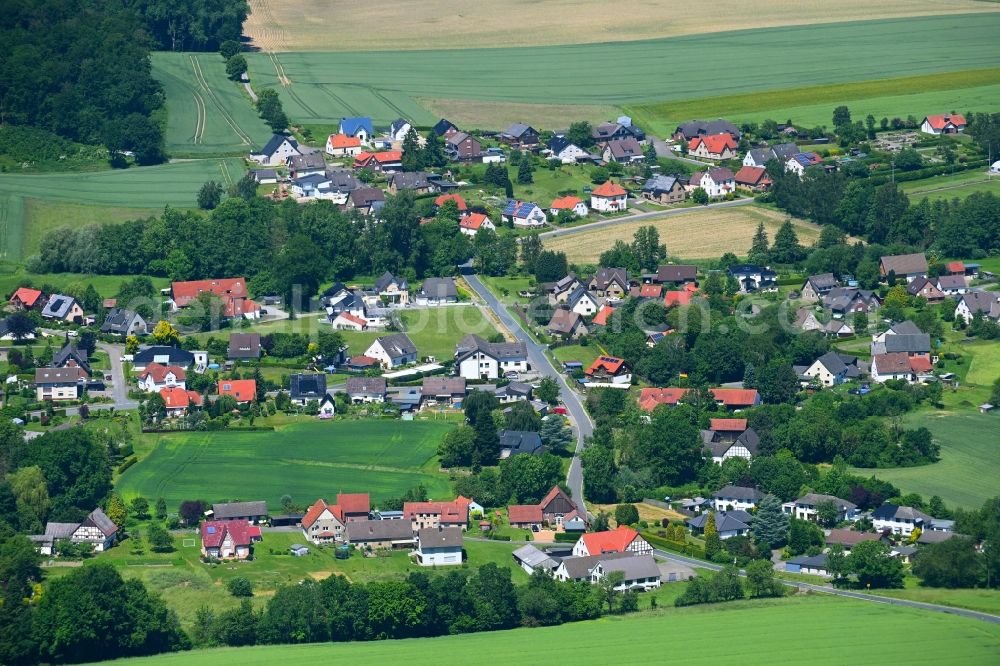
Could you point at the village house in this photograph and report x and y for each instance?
(365, 389)
(730, 438)
(817, 286)
(561, 289)
(945, 123)
(415, 181)
(354, 506)
(609, 131)
(71, 356)
(753, 278)
(689, 130)
(900, 520)
(566, 324)
(96, 530)
(244, 346)
(366, 200)
(398, 129)
(119, 321)
(380, 534)
(676, 274)
(475, 358)
(444, 127)
(752, 179)
(63, 308)
(583, 302)
(437, 291)
(306, 165)
(926, 289)
(324, 523)
(806, 320)
(520, 134)
(972, 303)
(228, 539)
(450, 391)
(729, 524)
(566, 151)
(517, 442)
(26, 298)
(523, 214)
(276, 151)
(609, 197)
(251, 512)
(359, 128)
(471, 223)
(716, 181)
(622, 539)
(799, 162)
(904, 266)
(833, 369)
(241, 390)
(264, 176)
(804, 508)
(911, 344)
(429, 515)
(347, 321)
(385, 161)
(664, 189)
(304, 388)
(951, 285)
(570, 204)
(609, 370)
(897, 365)
(462, 147)
(736, 497)
(393, 351)
(164, 356)
(179, 401)
(623, 151)
(815, 565)
(524, 516)
(759, 157)
(341, 145)
(610, 283)
(439, 546)
(157, 376)
(848, 538)
(57, 384)
(713, 147)
(392, 290)
(232, 292)
(844, 301)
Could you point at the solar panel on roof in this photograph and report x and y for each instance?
(210, 529)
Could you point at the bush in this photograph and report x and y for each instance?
(240, 587)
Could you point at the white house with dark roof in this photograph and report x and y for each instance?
(976, 302)
(832, 369)
(899, 519)
(437, 291)
(393, 350)
(583, 302)
(804, 508)
(736, 498)
(728, 523)
(439, 546)
(475, 358)
(277, 150)
(817, 286)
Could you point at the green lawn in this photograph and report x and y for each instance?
(809, 629)
(969, 470)
(585, 355)
(987, 601)
(958, 185)
(327, 86)
(813, 105)
(43, 216)
(506, 288)
(106, 285)
(306, 461)
(206, 112)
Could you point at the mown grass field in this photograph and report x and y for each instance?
(320, 87)
(810, 629)
(312, 25)
(124, 192)
(958, 185)
(969, 470)
(106, 285)
(699, 234)
(813, 105)
(383, 458)
(207, 114)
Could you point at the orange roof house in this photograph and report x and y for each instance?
(607, 366)
(354, 505)
(619, 540)
(651, 398)
(473, 221)
(727, 425)
(177, 398)
(342, 142)
(524, 514)
(609, 188)
(231, 291)
(943, 123)
(713, 145)
(752, 178)
(459, 201)
(25, 298)
(601, 318)
(567, 202)
(243, 390)
(736, 398)
(650, 291)
(677, 298)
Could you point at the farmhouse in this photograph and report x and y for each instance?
(96, 529)
(717, 181)
(341, 145)
(471, 224)
(570, 204)
(393, 350)
(524, 516)
(380, 534)
(664, 189)
(242, 390)
(251, 512)
(365, 389)
(523, 214)
(423, 515)
(609, 197)
(520, 134)
(896, 365)
(228, 539)
(729, 438)
(713, 147)
(848, 300)
(475, 358)
(232, 292)
(904, 266)
(944, 123)
(622, 539)
(277, 151)
(439, 546)
(759, 157)
(324, 523)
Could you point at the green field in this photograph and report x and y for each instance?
(958, 185)
(811, 629)
(306, 461)
(969, 470)
(106, 285)
(207, 114)
(322, 87)
(125, 192)
(810, 106)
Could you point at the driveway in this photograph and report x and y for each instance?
(541, 363)
(119, 385)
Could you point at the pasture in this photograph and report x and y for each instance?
(813, 105)
(306, 461)
(969, 470)
(878, 634)
(698, 234)
(106, 285)
(315, 25)
(128, 193)
(959, 185)
(207, 114)
(319, 88)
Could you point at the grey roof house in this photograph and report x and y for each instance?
(437, 290)
(123, 322)
(306, 387)
(249, 511)
(515, 442)
(244, 346)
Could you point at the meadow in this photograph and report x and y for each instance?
(313, 25)
(813, 105)
(307, 460)
(106, 285)
(29, 203)
(321, 87)
(699, 234)
(959, 185)
(207, 114)
(827, 630)
(969, 470)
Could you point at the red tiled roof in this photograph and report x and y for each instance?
(608, 363)
(176, 398)
(955, 266)
(354, 502)
(254, 532)
(449, 512)
(213, 532)
(454, 197)
(727, 425)
(343, 141)
(732, 397)
(362, 360)
(715, 143)
(690, 286)
(382, 157)
(677, 298)
(565, 203)
(601, 318)
(650, 398)
(920, 364)
(650, 291)
(26, 295)
(613, 541)
(524, 513)
(316, 510)
(353, 318)
(244, 390)
(159, 372)
(609, 188)
(472, 221)
(224, 288)
(751, 175)
(940, 120)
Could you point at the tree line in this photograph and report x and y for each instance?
(192, 25)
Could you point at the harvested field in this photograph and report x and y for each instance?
(318, 25)
(700, 234)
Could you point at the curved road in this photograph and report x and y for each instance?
(541, 363)
(642, 216)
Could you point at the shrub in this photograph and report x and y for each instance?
(240, 587)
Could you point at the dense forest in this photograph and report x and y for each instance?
(192, 25)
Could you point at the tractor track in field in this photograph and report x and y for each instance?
(200, 77)
(287, 84)
(339, 100)
(225, 172)
(200, 117)
(389, 103)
